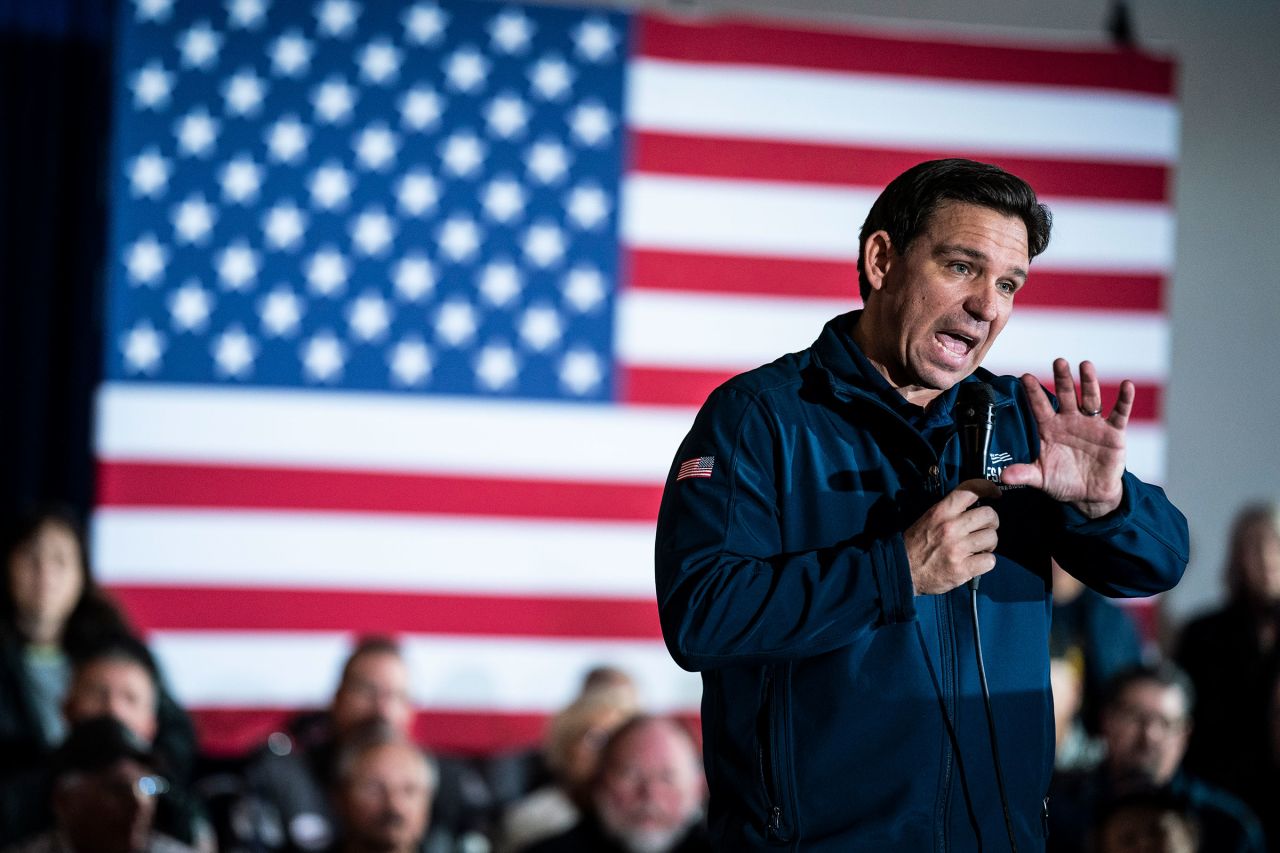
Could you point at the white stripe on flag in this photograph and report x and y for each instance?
(826, 106)
(754, 218)
(670, 329)
(371, 432)
(211, 669)
(374, 552)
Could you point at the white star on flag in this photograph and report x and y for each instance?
(506, 116)
(376, 147)
(327, 272)
(234, 352)
(146, 260)
(379, 62)
(323, 357)
(551, 77)
(594, 40)
(197, 132)
(591, 123)
(237, 266)
(463, 154)
(148, 174)
(287, 140)
(581, 371)
(280, 312)
(241, 178)
(500, 282)
(143, 347)
(414, 277)
(456, 322)
(496, 367)
(369, 316)
(540, 327)
(333, 101)
(543, 244)
(337, 18)
(291, 54)
(511, 31)
(372, 232)
(547, 160)
(283, 225)
(459, 238)
(466, 69)
(588, 206)
(199, 46)
(503, 199)
(190, 306)
(410, 362)
(584, 288)
(193, 219)
(424, 23)
(243, 93)
(417, 192)
(330, 186)
(152, 86)
(420, 108)
(246, 14)
(153, 11)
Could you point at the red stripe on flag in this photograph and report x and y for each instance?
(184, 608)
(228, 732)
(650, 269)
(801, 162)
(134, 483)
(740, 43)
(660, 386)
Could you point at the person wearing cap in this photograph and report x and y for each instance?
(105, 789)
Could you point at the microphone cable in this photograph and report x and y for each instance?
(991, 720)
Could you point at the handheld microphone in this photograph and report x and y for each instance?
(975, 412)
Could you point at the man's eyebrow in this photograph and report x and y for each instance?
(975, 254)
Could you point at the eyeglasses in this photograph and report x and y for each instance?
(1133, 716)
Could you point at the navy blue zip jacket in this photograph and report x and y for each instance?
(840, 711)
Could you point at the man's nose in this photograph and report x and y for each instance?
(981, 302)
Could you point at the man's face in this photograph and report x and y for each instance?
(120, 688)
(386, 799)
(109, 810)
(935, 310)
(376, 687)
(1260, 561)
(651, 790)
(1146, 731)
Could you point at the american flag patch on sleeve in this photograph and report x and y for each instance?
(699, 467)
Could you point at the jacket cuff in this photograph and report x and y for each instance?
(893, 580)
(1075, 521)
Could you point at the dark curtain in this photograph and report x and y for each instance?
(55, 92)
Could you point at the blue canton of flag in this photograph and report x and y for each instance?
(369, 196)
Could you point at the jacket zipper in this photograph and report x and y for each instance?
(769, 770)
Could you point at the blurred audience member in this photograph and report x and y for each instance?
(572, 753)
(383, 791)
(1146, 822)
(1074, 748)
(1146, 720)
(119, 680)
(647, 797)
(1231, 656)
(1096, 635)
(52, 611)
(105, 787)
(616, 679)
(288, 806)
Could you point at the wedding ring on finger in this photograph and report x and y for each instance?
(1091, 413)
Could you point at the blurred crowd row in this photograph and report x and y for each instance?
(1168, 753)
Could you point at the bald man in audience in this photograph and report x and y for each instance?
(383, 792)
(648, 796)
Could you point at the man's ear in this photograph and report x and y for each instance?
(877, 257)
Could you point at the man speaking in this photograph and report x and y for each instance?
(815, 547)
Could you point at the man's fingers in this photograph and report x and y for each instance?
(1090, 389)
(1022, 474)
(1037, 397)
(1119, 417)
(1064, 386)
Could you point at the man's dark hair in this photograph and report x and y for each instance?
(123, 648)
(904, 208)
(373, 644)
(1163, 674)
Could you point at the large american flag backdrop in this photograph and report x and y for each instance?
(411, 304)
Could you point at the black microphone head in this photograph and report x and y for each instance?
(974, 403)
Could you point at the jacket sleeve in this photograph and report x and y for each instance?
(727, 592)
(1139, 549)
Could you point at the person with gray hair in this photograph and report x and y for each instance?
(382, 792)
